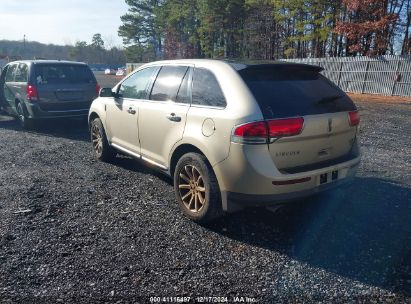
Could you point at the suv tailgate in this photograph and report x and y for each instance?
(292, 90)
(64, 86)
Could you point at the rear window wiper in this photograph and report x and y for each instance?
(329, 99)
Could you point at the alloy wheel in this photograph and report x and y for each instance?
(191, 188)
(97, 139)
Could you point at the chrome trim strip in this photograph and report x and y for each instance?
(65, 111)
(126, 151)
(136, 155)
(154, 163)
(193, 105)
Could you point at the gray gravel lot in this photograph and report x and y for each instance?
(76, 230)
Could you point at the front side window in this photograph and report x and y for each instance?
(168, 82)
(10, 73)
(206, 91)
(21, 73)
(135, 86)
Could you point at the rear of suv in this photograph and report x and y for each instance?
(231, 134)
(38, 89)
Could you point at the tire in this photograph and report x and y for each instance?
(2, 106)
(196, 188)
(24, 122)
(102, 149)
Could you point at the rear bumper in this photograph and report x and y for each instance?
(35, 112)
(249, 178)
(240, 200)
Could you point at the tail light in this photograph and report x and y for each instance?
(31, 93)
(98, 89)
(251, 133)
(354, 118)
(285, 127)
(261, 132)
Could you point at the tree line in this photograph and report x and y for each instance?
(265, 29)
(97, 52)
(93, 52)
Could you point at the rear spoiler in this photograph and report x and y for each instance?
(284, 66)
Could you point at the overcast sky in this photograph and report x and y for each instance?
(61, 21)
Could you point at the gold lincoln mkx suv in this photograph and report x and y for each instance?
(231, 134)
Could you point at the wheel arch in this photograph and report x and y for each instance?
(93, 115)
(180, 151)
(97, 110)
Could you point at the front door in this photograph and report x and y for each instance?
(123, 113)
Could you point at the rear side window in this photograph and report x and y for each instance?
(10, 73)
(63, 74)
(168, 82)
(287, 92)
(21, 73)
(135, 86)
(206, 91)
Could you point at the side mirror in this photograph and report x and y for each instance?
(106, 92)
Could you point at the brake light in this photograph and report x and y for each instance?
(354, 118)
(260, 132)
(285, 127)
(252, 133)
(31, 93)
(254, 129)
(98, 89)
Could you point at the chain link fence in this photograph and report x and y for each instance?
(384, 75)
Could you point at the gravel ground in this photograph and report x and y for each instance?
(75, 230)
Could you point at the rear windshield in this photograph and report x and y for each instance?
(63, 74)
(287, 92)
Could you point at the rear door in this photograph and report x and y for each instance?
(64, 87)
(162, 119)
(297, 91)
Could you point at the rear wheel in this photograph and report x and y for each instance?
(24, 121)
(196, 188)
(102, 148)
(2, 105)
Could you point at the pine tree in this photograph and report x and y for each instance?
(139, 29)
(178, 21)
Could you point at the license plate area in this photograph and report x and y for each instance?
(328, 177)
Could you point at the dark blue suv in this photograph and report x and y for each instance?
(37, 89)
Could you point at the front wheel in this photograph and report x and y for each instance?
(101, 147)
(196, 188)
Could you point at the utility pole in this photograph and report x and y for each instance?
(24, 45)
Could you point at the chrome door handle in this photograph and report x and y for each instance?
(173, 117)
(131, 111)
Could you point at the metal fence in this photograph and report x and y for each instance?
(384, 75)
